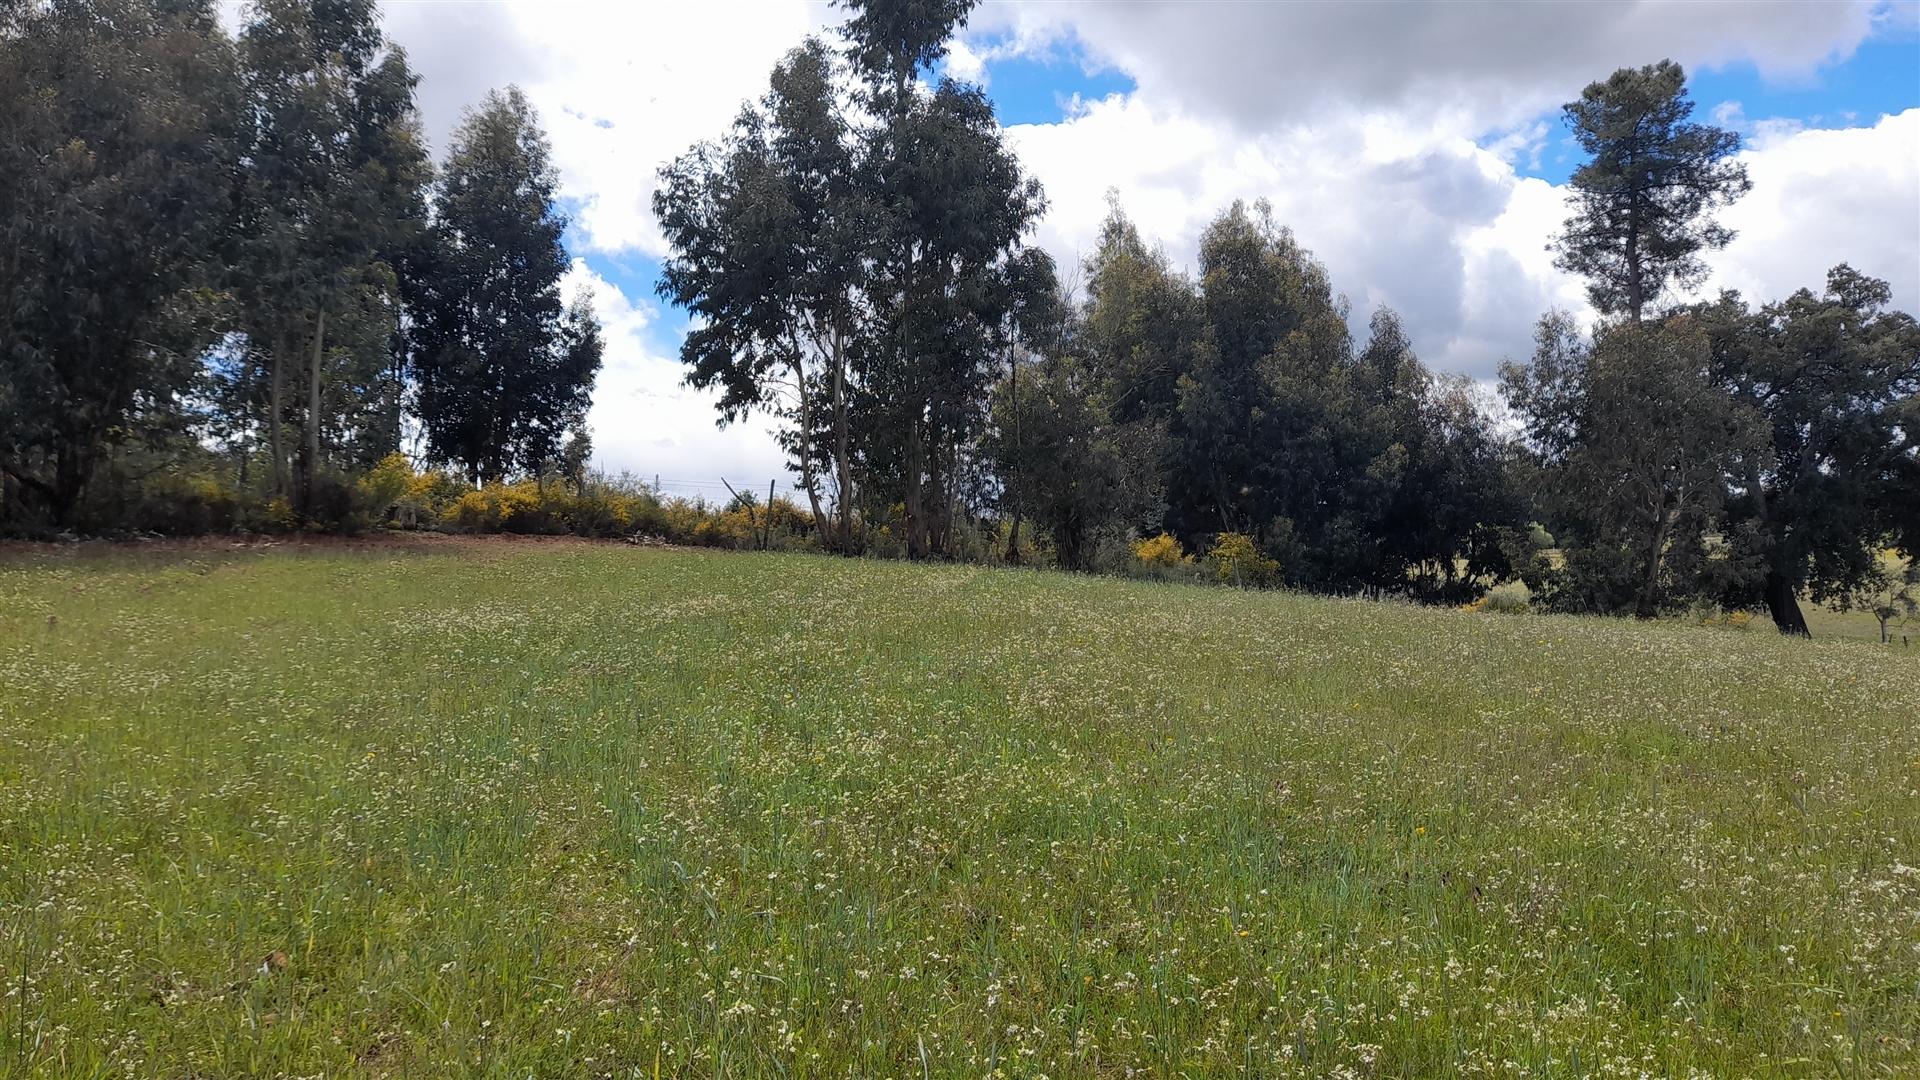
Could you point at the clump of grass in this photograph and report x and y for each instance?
(500, 810)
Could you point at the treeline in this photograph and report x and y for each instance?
(853, 251)
(234, 286)
(231, 277)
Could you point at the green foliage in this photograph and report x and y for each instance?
(1642, 200)
(770, 230)
(1237, 560)
(1506, 601)
(173, 504)
(1835, 380)
(121, 138)
(503, 371)
(1635, 445)
(866, 262)
(1066, 465)
(1893, 599)
(332, 209)
(224, 290)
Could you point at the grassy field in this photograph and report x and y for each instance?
(541, 809)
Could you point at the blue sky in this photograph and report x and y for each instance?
(1043, 87)
(1881, 77)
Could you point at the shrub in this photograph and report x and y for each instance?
(728, 528)
(1237, 560)
(187, 506)
(386, 484)
(1713, 615)
(599, 509)
(518, 507)
(335, 503)
(1160, 551)
(276, 515)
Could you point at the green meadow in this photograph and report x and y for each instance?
(555, 809)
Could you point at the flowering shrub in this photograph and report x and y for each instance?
(277, 515)
(1737, 619)
(517, 507)
(599, 508)
(388, 481)
(1237, 560)
(1162, 550)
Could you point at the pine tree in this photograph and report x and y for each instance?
(1642, 203)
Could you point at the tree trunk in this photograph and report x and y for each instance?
(241, 450)
(1013, 534)
(840, 441)
(935, 505)
(916, 455)
(1784, 606)
(1636, 293)
(67, 482)
(309, 466)
(1650, 584)
(806, 454)
(277, 449)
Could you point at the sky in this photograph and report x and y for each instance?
(1415, 148)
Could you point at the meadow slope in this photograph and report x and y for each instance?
(511, 809)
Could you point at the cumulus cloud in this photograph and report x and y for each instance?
(621, 88)
(1446, 231)
(646, 420)
(1487, 64)
(1402, 216)
(1824, 196)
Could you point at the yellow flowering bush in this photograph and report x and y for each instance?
(277, 515)
(394, 493)
(1236, 560)
(516, 507)
(1162, 550)
(387, 482)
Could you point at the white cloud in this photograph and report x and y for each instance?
(1824, 196)
(1446, 231)
(621, 88)
(965, 64)
(1493, 64)
(646, 420)
(1402, 215)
